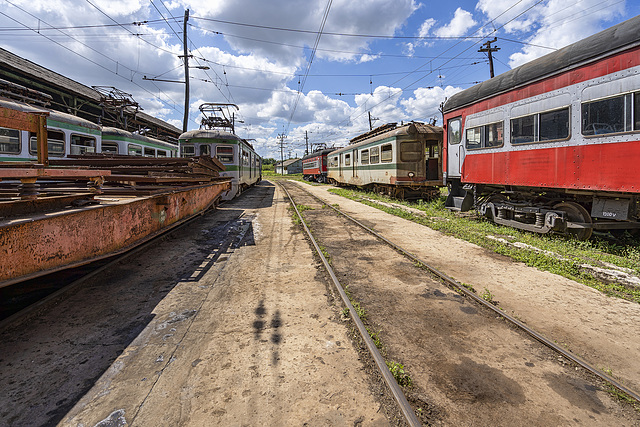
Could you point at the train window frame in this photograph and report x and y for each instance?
(364, 157)
(334, 162)
(135, 149)
(245, 158)
(483, 133)
(386, 153)
(33, 143)
(374, 155)
(82, 148)
(148, 152)
(452, 138)
(161, 153)
(630, 112)
(404, 153)
(110, 145)
(224, 156)
(205, 150)
(347, 159)
(7, 140)
(537, 136)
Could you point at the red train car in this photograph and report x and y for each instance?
(314, 165)
(552, 146)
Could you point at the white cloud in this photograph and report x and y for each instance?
(459, 25)
(426, 27)
(425, 102)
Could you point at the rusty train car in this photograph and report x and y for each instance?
(552, 145)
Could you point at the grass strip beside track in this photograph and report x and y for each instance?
(556, 254)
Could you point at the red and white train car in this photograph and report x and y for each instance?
(314, 165)
(553, 145)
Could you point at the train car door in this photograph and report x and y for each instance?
(455, 150)
(354, 155)
(340, 164)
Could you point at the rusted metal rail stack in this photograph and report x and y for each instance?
(58, 214)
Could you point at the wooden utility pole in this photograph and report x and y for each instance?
(487, 48)
(185, 120)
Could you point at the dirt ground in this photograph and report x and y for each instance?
(467, 366)
(600, 329)
(231, 323)
(246, 337)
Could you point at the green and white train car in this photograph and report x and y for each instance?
(118, 141)
(401, 161)
(240, 160)
(66, 135)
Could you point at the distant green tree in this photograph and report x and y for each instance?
(269, 161)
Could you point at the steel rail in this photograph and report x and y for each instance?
(458, 287)
(393, 386)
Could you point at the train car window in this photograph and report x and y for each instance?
(410, 151)
(493, 135)
(9, 140)
(523, 129)
(162, 153)
(333, 163)
(205, 150)
(347, 159)
(110, 147)
(134, 150)
(245, 158)
(55, 142)
(149, 152)
(454, 131)
(224, 153)
(374, 155)
(81, 144)
(188, 150)
(386, 155)
(554, 125)
(607, 115)
(474, 138)
(364, 157)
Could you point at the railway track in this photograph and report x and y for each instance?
(312, 219)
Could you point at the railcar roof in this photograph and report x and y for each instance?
(106, 131)
(619, 37)
(318, 153)
(53, 115)
(209, 133)
(387, 131)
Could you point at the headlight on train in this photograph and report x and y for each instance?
(411, 175)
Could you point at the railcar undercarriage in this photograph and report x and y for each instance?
(574, 213)
(400, 191)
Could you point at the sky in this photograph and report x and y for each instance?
(303, 73)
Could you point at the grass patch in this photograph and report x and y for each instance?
(569, 256)
(397, 370)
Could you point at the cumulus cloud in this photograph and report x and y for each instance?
(462, 21)
(425, 103)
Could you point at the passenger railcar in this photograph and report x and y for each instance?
(66, 135)
(314, 165)
(241, 161)
(553, 145)
(118, 141)
(401, 161)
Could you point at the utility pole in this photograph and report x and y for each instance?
(306, 143)
(371, 121)
(185, 121)
(282, 136)
(487, 48)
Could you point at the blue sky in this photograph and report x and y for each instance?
(395, 59)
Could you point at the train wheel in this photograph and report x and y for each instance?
(576, 213)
